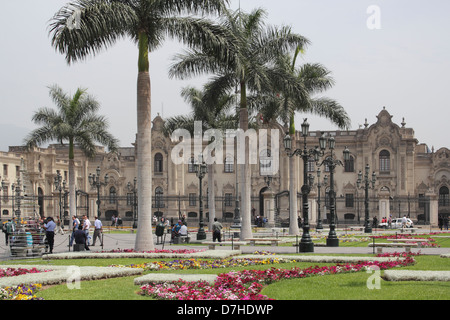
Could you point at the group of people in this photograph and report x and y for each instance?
(443, 222)
(180, 229)
(80, 232)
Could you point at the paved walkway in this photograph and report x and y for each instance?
(114, 241)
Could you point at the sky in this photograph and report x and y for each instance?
(382, 53)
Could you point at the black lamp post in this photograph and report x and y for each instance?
(94, 181)
(3, 187)
(200, 170)
(319, 185)
(332, 163)
(60, 186)
(17, 199)
(133, 188)
(367, 185)
(306, 244)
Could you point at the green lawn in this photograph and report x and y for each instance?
(330, 287)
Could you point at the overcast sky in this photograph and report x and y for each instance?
(382, 53)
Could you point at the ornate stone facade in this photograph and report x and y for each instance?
(411, 179)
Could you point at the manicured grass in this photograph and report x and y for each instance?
(330, 287)
(353, 286)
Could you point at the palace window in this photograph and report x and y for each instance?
(349, 165)
(229, 165)
(158, 163)
(385, 161)
(112, 195)
(444, 200)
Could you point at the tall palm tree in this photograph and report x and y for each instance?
(282, 105)
(85, 27)
(214, 113)
(246, 61)
(75, 121)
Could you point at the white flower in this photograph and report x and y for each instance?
(413, 275)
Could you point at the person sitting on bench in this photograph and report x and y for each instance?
(81, 237)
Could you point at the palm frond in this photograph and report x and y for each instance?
(101, 24)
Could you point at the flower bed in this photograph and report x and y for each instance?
(12, 272)
(22, 292)
(62, 274)
(416, 238)
(19, 292)
(414, 275)
(247, 284)
(158, 254)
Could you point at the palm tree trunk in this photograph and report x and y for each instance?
(72, 182)
(293, 223)
(144, 236)
(211, 196)
(246, 226)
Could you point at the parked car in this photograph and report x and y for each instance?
(398, 223)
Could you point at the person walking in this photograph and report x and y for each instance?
(98, 231)
(49, 227)
(75, 225)
(8, 228)
(217, 230)
(86, 226)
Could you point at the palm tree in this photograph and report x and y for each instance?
(75, 121)
(281, 105)
(246, 62)
(214, 113)
(85, 27)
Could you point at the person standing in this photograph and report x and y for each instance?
(8, 228)
(98, 231)
(86, 226)
(49, 227)
(217, 231)
(75, 225)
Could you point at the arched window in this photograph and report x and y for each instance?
(349, 165)
(444, 200)
(385, 161)
(192, 161)
(158, 163)
(265, 162)
(112, 195)
(159, 201)
(229, 165)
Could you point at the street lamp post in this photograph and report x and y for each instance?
(332, 163)
(319, 185)
(94, 181)
(60, 186)
(133, 188)
(3, 187)
(17, 189)
(200, 170)
(306, 244)
(367, 185)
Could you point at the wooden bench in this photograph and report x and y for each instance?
(19, 251)
(357, 228)
(380, 246)
(273, 242)
(418, 241)
(412, 230)
(236, 245)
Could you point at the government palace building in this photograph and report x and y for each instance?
(411, 180)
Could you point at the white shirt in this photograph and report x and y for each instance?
(87, 224)
(98, 224)
(183, 230)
